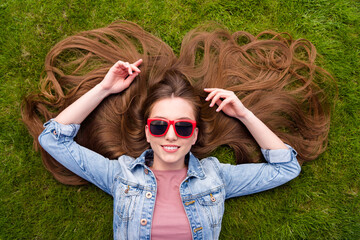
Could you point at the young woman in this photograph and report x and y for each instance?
(167, 193)
(175, 111)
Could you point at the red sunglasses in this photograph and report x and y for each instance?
(184, 128)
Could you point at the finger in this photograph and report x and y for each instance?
(122, 65)
(219, 95)
(134, 68)
(130, 79)
(129, 70)
(209, 89)
(118, 64)
(214, 91)
(223, 104)
(215, 99)
(211, 94)
(138, 62)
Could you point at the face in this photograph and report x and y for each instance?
(170, 150)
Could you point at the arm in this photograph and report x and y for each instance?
(119, 77)
(230, 104)
(57, 140)
(246, 179)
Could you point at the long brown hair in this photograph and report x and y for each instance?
(275, 76)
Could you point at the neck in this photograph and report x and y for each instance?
(168, 166)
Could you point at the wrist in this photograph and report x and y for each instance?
(246, 116)
(102, 91)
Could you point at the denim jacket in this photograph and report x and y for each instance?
(133, 185)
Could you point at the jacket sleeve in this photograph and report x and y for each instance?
(244, 179)
(58, 140)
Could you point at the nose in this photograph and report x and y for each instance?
(171, 135)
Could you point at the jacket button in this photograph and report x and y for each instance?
(148, 195)
(143, 221)
(146, 171)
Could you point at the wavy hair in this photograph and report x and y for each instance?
(275, 76)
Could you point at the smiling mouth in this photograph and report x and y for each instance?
(170, 148)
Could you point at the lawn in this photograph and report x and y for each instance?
(322, 203)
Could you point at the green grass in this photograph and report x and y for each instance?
(322, 203)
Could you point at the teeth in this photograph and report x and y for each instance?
(170, 148)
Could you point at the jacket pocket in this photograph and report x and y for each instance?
(126, 202)
(212, 205)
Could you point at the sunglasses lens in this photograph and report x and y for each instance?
(158, 127)
(184, 129)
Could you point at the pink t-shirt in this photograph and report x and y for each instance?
(170, 220)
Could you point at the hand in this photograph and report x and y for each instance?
(120, 76)
(230, 104)
(226, 101)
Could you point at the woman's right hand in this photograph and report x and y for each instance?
(120, 76)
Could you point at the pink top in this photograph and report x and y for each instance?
(170, 220)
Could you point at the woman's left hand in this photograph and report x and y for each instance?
(226, 101)
(230, 104)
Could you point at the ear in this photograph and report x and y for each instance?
(195, 135)
(147, 133)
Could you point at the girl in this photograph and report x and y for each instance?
(167, 193)
(168, 116)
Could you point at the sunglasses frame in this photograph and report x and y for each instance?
(172, 122)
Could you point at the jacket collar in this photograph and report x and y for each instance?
(195, 168)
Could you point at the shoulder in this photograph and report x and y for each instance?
(210, 161)
(125, 160)
(131, 168)
(126, 163)
(212, 166)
